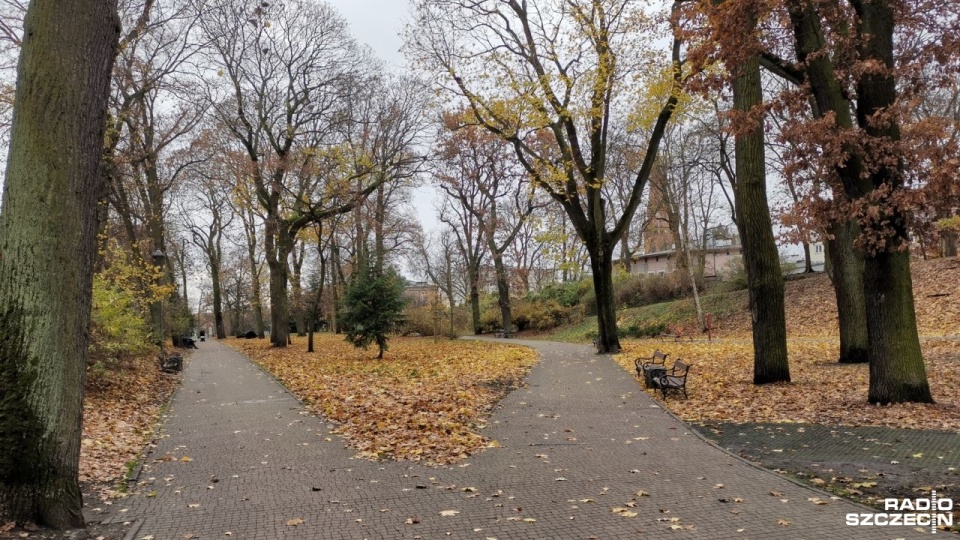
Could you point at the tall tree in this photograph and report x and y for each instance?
(48, 244)
(760, 257)
(560, 72)
(207, 218)
(465, 226)
(732, 38)
(441, 260)
(897, 371)
(497, 193)
(286, 72)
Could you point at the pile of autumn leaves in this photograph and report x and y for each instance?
(425, 400)
(121, 408)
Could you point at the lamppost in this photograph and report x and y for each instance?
(200, 304)
(157, 307)
(437, 315)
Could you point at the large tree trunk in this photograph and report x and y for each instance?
(897, 372)
(807, 262)
(257, 298)
(47, 249)
(218, 300)
(474, 276)
(760, 257)
(296, 289)
(278, 247)
(601, 262)
(503, 289)
(948, 244)
(847, 275)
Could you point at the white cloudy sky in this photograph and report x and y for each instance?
(376, 23)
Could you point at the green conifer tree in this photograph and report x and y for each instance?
(373, 303)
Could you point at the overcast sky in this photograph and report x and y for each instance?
(378, 23)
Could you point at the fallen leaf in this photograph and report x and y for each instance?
(294, 522)
(449, 512)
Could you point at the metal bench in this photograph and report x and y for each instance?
(674, 379)
(648, 369)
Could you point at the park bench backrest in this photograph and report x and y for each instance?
(680, 368)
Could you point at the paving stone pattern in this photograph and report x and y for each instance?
(899, 460)
(240, 455)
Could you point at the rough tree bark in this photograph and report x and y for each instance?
(760, 257)
(48, 231)
(846, 273)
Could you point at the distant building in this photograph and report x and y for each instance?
(660, 256)
(716, 261)
(420, 293)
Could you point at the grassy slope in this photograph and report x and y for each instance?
(811, 307)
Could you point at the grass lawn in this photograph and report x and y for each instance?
(425, 400)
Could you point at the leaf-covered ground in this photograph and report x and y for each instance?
(424, 401)
(120, 411)
(821, 392)
(811, 306)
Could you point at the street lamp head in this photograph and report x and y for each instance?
(158, 257)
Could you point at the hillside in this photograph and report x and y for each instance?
(810, 307)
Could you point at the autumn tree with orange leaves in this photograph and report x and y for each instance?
(859, 71)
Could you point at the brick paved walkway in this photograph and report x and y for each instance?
(579, 440)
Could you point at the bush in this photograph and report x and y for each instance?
(646, 289)
(566, 294)
(421, 320)
(646, 331)
(118, 328)
(543, 314)
(490, 319)
(735, 274)
(530, 314)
